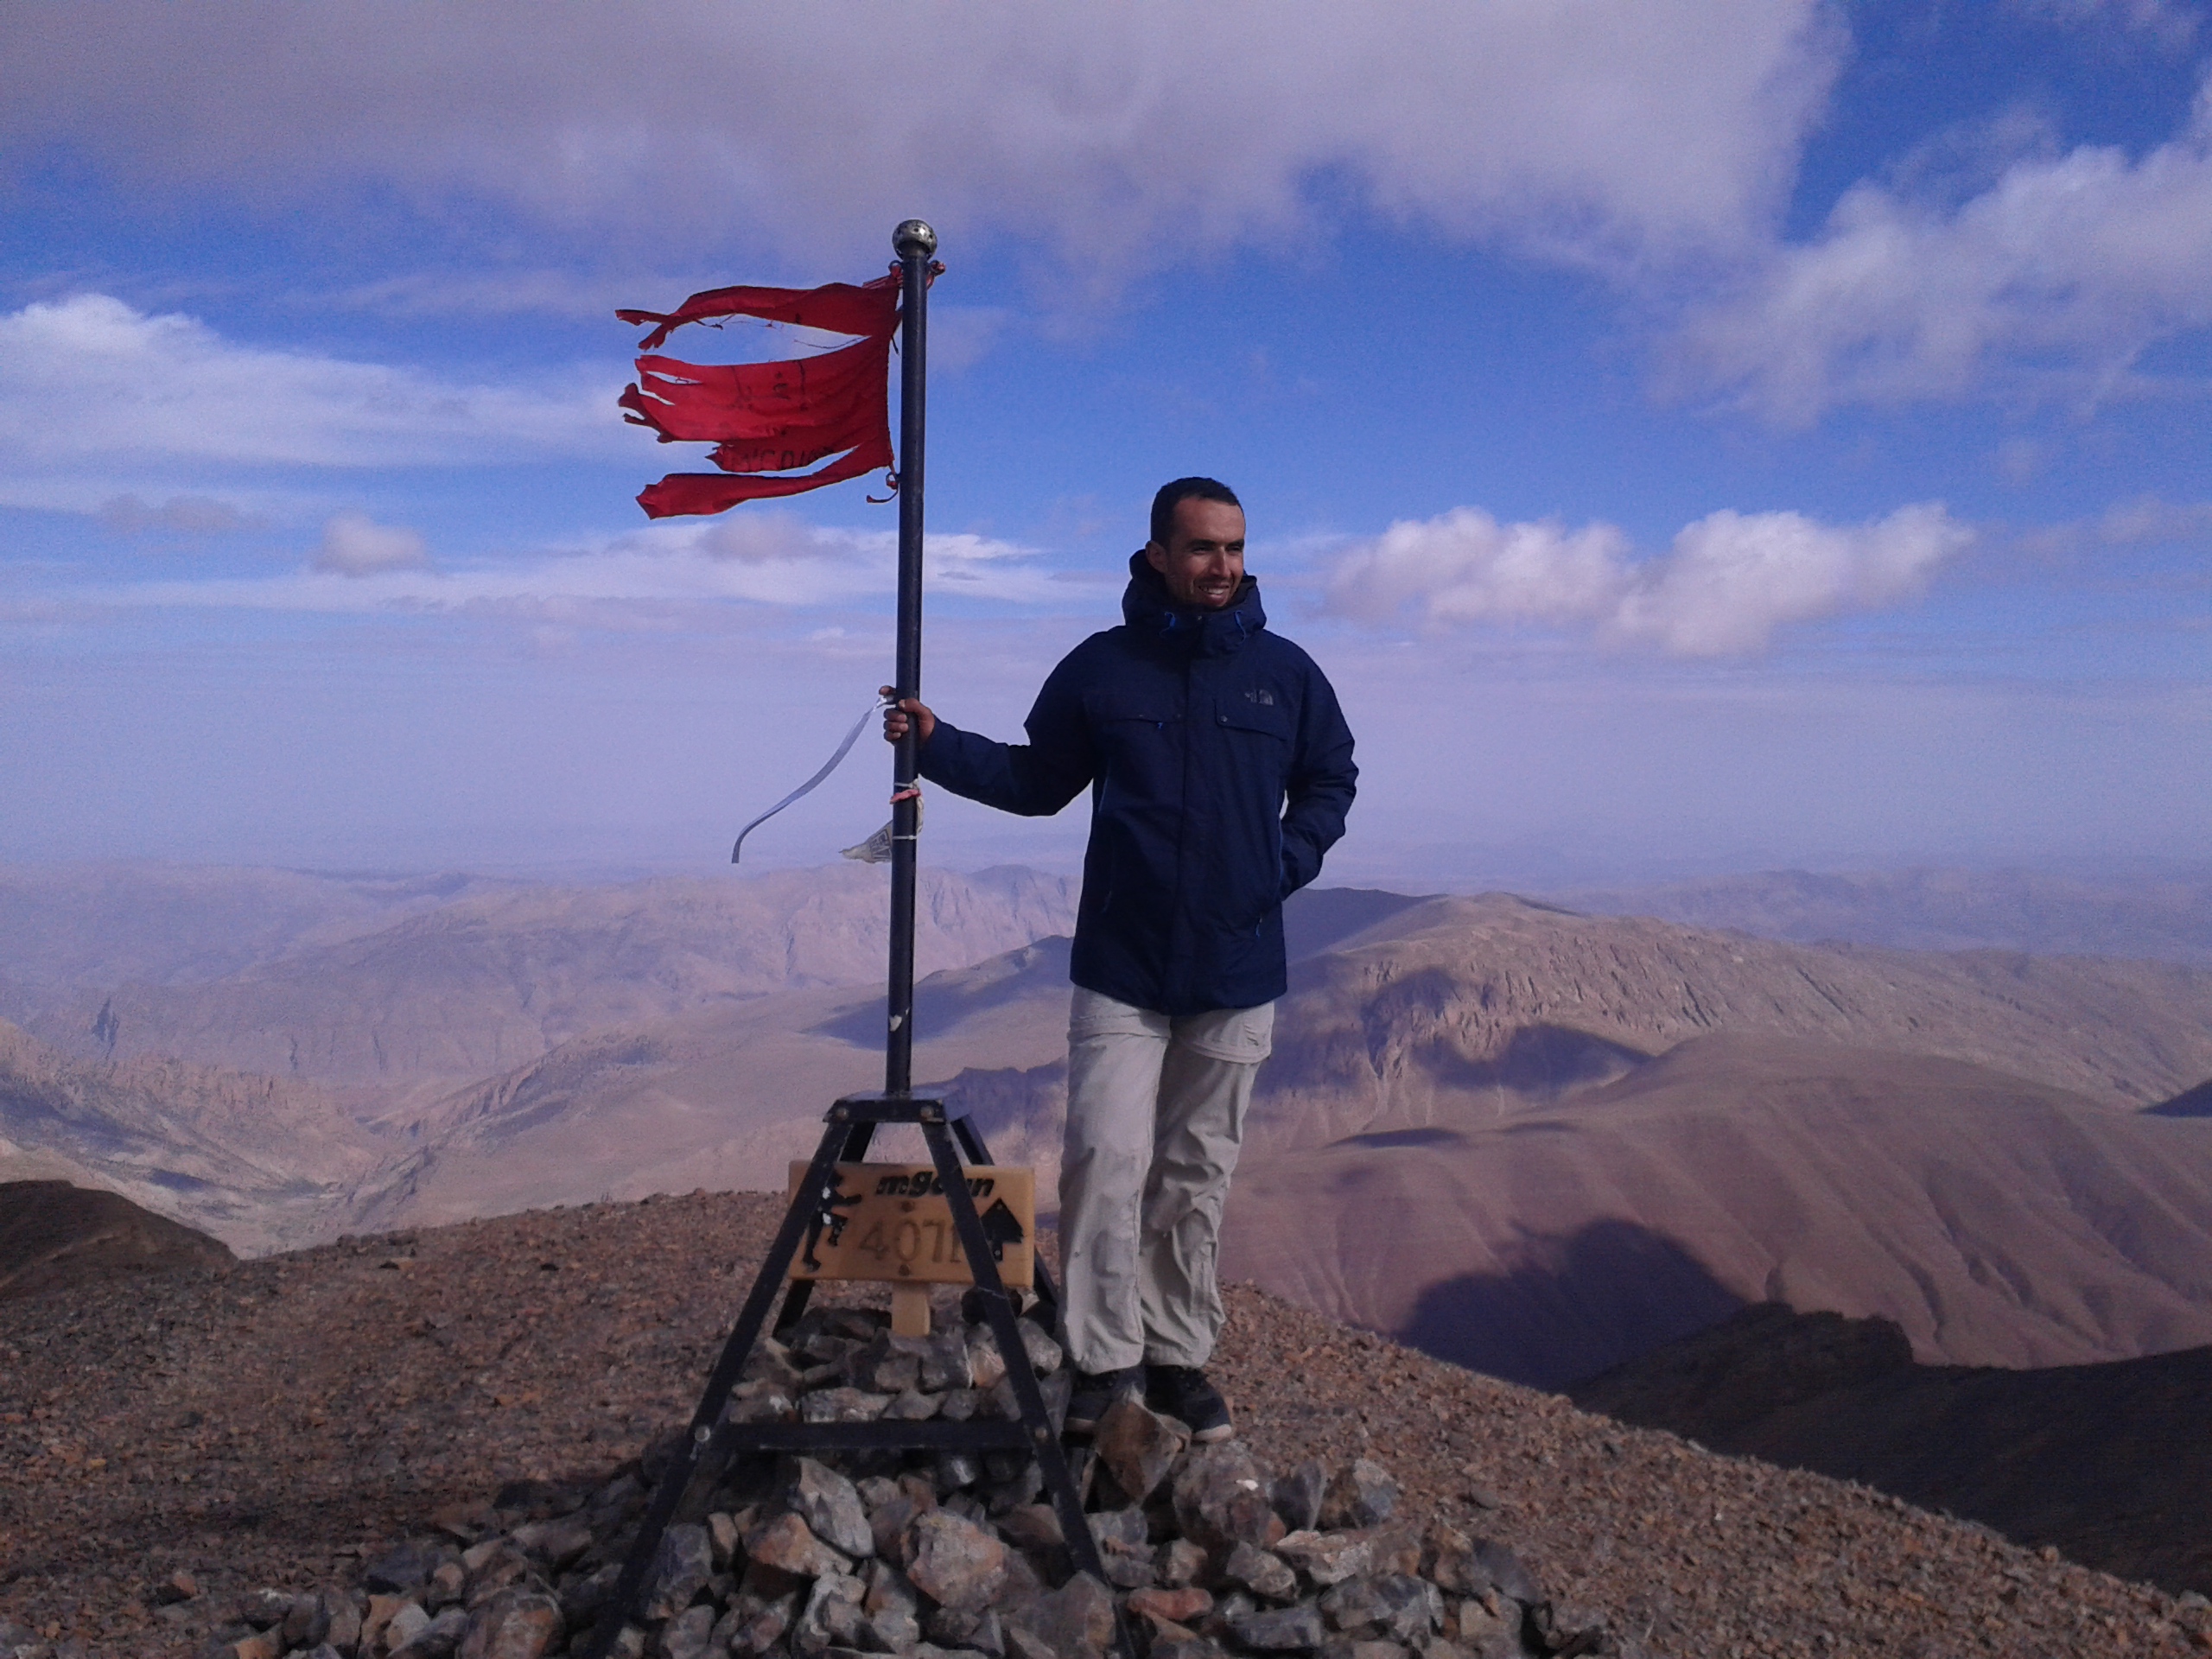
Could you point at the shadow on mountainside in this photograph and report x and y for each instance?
(2190, 1102)
(1576, 1306)
(2109, 1462)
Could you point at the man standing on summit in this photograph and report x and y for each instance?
(1220, 771)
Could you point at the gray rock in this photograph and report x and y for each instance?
(1138, 1446)
(1344, 1647)
(1487, 1632)
(960, 1404)
(1265, 1575)
(689, 1634)
(887, 1364)
(583, 1594)
(952, 1560)
(955, 1469)
(558, 1543)
(1022, 1643)
(832, 1616)
(876, 1491)
(436, 1640)
(1221, 1498)
(1360, 1494)
(770, 1363)
(842, 1406)
(1176, 1642)
(1490, 1566)
(1391, 1606)
(944, 1361)
(757, 1623)
(912, 1407)
(1178, 1561)
(306, 1622)
(409, 1621)
(402, 1568)
(1297, 1495)
(725, 1537)
(1044, 1354)
(974, 1629)
(1032, 1527)
(1074, 1621)
(888, 1522)
(519, 1624)
(830, 1505)
(892, 1608)
(984, 1364)
(681, 1568)
(345, 1631)
(788, 1544)
(1124, 1548)
(1279, 1627)
(769, 1406)
(1328, 1558)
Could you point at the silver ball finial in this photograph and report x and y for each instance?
(913, 237)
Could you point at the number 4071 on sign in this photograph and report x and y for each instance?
(891, 1223)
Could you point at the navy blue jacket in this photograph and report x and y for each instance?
(1193, 728)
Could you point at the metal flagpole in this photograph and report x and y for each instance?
(914, 242)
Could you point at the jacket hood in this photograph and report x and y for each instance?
(1149, 610)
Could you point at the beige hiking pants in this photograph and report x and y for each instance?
(1155, 1114)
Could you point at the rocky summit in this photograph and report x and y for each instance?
(1207, 1551)
(451, 1430)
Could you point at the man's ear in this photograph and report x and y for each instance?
(1156, 557)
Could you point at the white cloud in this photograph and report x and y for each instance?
(354, 544)
(1730, 580)
(181, 515)
(1128, 134)
(92, 379)
(2080, 261)
(644, 577)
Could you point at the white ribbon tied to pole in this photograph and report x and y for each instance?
(807, 788)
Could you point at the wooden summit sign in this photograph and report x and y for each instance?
(890, 1223)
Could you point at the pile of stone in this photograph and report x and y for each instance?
(939, 1556)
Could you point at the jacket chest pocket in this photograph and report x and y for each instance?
(1245, 715)
(1136, 731)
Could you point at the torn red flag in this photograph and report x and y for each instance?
(765, 419)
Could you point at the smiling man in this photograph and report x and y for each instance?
(1220, 771)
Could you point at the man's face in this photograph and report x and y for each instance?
(1202, 564)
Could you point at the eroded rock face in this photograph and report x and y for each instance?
(1207, 1553)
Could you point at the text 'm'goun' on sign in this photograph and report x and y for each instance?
(891, 1223)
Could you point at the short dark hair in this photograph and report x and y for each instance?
(1186, 489)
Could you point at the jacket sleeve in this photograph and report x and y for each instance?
(1321, 786)
(1036, 778)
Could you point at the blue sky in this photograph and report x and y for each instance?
(1693, 436)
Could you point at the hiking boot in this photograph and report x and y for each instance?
(1095, 1391)
(1183, 1392)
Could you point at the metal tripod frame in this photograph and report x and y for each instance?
(712, 1440)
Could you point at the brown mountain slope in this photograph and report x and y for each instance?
(1998, 1221)
(2166, 916)
(1459, 1001)
(287, 1421)
(53, 1235)
(2109, 1463)
(492, 982)
(721, 1097)
(257, 1161)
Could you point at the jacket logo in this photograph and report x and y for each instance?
(1260, 693)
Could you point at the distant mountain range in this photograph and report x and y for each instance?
(1536, 1141)
(2164, 916)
